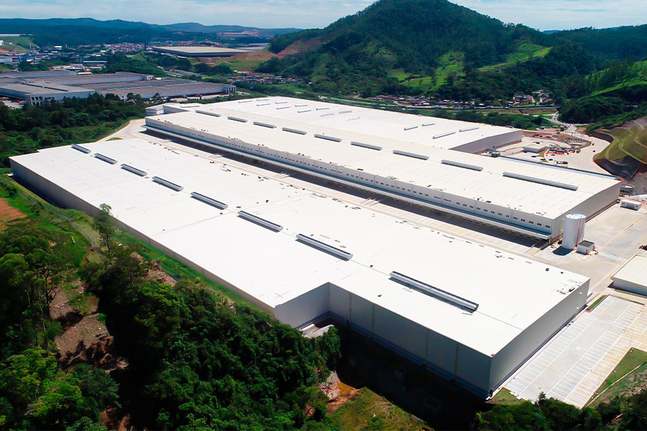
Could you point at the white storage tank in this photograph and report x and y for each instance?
(573, 230)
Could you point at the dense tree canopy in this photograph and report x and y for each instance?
(72, 121)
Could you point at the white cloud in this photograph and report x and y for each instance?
(562, 14)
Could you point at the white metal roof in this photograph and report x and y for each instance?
(386, 130)
(512, 291)
(633, 272)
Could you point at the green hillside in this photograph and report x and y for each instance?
(617, 43)
(618, 78)
(526, 51)
(418, 41)
(626, 142)
(451, 66)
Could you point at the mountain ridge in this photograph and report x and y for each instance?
(120, 24)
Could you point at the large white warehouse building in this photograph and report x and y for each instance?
(424, 161)
(467, 311)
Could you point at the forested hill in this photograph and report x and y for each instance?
(394, 39)
(439, 49)
(414, 34)
(621, 43)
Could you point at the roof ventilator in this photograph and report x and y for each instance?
(209, 201)
(260, 221)
(81, 149)
(298, 132)
(168, 184)
(213, 114)
(408, 154)
(540, 181)
(133, 169)
(435, 292)
(269, 126)
(461, 165)
(325, 247)
(442, 135)
(105, 158)
(327, 138)
(369, 146)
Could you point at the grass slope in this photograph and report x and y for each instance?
(369, 411)
(628, 376)
(635, 76)
(19, 44)
(626, 142)
(525, 52)
(454, 62)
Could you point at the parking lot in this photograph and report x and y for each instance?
(576, 361)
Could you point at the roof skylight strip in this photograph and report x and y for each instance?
(436, 292)
(213, 114)
(540, 181)
(81, 149)
(327, 138)
(442, 135)
(269, 126)
(133, 169)
(369, 146)
(325, 247)
(208, 200)
(260, 221)
(461, 165)
(105, 158)
(408, 154)
(298, 132)
(168, 184)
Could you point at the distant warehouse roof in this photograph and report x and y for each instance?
(402, 155)
(198, 51)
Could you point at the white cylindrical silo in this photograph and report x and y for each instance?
(573, 230)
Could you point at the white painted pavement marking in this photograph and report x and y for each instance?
(562, 369)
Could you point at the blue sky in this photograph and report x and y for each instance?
(541, 14)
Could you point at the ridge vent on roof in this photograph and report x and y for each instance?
(168, 184)
(540, 181)
(408, 154)
(461, 165)
(133, 169)
(369, 146)
(81, 149)
(213, 114)
(442, 135)
(208, 200)
(435, 292)
(269, 126)
(298, 132)
(327, 138)
(260, 221)
(105, 158)
(324, 247)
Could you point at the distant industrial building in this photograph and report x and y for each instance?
(306, 256)
(419, 160)
(40, 87)
(198, 51)
(37, 93)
